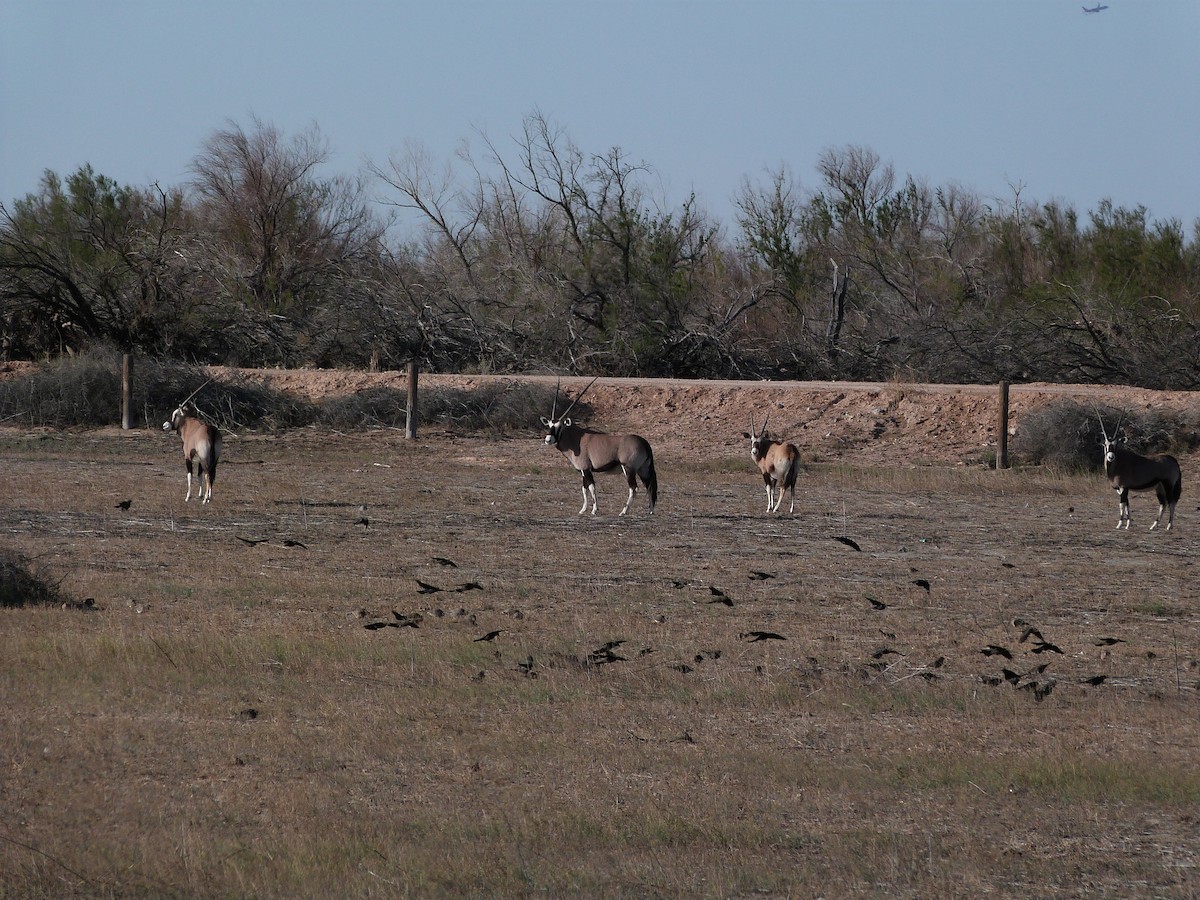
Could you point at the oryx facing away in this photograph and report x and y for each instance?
(201, 444)
(778, 461)
(595, 451)
(1128, 471)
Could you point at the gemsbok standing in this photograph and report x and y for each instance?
(201, 445)
(595, 451)
(778, 461)
(1128, 471)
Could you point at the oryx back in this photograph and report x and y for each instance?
(201, 447)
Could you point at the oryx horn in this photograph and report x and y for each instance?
(195, 392)
(567, 411)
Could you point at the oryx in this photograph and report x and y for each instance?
(1128, 471)
(594, 451)
(201, 443)
(778, 461)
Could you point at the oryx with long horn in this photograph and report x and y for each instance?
(1128, 471)
(778, 462)
(595, 451)
(201, 445)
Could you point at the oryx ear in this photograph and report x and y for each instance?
(567, 420)
(747, 434)
(545, 421)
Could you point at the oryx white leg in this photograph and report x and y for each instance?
(188, 495)
(1158, 518)
(583, 508)
(207, 489)
(769, 497)
(629, 500)
(793, 507)
(778, 501)
(632, 490)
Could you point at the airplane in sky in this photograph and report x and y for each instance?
(1094, 9)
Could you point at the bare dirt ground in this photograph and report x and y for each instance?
(292, 692)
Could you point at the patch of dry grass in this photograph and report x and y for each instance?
(224, 723)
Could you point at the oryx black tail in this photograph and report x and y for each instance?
(650, 479)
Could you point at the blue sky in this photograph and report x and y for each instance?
(991, 95)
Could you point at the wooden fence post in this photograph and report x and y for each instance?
(410, 422)
(127, 391)
(1002, 429)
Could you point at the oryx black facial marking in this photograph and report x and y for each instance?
(1128, 471)
(595, 451)
(201, 444)
(778, 462)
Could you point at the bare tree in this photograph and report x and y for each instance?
(283, 243)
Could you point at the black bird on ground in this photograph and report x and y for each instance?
(1030, 632)
(288, 542)
(1046, 647)
(762, 636)
(426, 588)
(876, 604)
(375, 626)
(1095, 679)
(253, 542)
(604, 655)
(996, 650)
(761, 576)
(723, 600)
(404, 620)
(922, 583)
(468, 586)
(124, 504)
(1010, 676)
(490, 636)
(1108, 641)
(885, 651)
(848, 542)
(443, 561)
(363, 521)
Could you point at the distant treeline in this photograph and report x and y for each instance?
(539, 256)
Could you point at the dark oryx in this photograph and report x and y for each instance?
(779, 463)
(201, 444)
(594, 451)
(1128, 471)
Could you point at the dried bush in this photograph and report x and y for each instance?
(1068, 435)
(19, 586)
(85, 391)
(494, 408)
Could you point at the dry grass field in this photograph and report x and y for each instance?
(222, 718)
